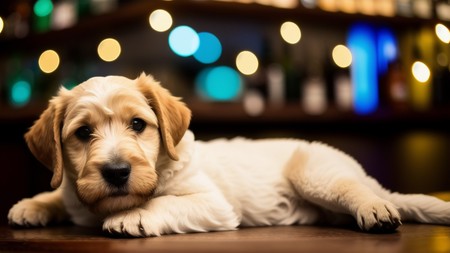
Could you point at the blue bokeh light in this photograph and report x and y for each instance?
(387, 49)
(184, 41)
(362, 43)
(210, 48)
(20, 93)
(220, 83)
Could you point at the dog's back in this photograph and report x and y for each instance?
(250, 173)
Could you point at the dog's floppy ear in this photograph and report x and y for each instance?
(44, 139)
(173, 115)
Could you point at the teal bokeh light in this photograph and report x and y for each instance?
(184, 41)
(20, 93)
(210, 48)
(43, 8)
(219, 83)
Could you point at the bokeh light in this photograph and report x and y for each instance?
(290, 32)
(310, 4)
(43, 8)
(420, 71)
(314, 98)
(220, 83)
(387, 49)
(443, 33)
(20, 93)
(288, 4)
(48, 61)
(442, 59)
(2, 24)
(328, 5)
(109, 50)
(160, 20)
(247, 62)
(209, 49)
(342, 56)
(184, 41)
(253, 103)
(347, 6)
(364, 75)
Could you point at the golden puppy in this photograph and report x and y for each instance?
(122, 158)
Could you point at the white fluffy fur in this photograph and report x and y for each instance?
(224, 184)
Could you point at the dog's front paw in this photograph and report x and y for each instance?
(135, 223)
(29, 213)
(378, 216)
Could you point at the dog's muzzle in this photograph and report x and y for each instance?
(116, 174)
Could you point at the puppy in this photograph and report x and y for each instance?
(122, 158)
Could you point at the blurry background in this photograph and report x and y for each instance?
(370, 77)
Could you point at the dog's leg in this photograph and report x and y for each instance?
(420, 208)
(40, 210)
(200, 212)
(331, 179)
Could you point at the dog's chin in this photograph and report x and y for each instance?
(117, 202)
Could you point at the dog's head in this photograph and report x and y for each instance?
(106, 135)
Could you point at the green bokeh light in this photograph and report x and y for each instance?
(43, 8)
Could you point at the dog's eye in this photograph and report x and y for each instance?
(83, 133)
(138, 125)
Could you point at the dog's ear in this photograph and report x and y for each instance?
(44, 139)
(173, 115)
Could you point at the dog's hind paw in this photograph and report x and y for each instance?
(378, 216)
(29, 213)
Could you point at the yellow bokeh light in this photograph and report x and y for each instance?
(342, 56)
(109, 49)
(386, 8)
(48, 61)
(347, 6)
(290, 32)
(420, 71)
(247, 62)
(2, 24)
(328, 5)
(160, 20)
(443, 33)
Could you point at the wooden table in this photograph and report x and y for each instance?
(410, 238)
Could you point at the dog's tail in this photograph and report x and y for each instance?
(421, 208)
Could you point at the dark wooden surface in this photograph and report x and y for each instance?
(410, 238)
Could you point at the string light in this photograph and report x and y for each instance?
(342, 56)
(420, 71)
(220, 83)
(160, 20)
(20, 93)
(443, 33)
(247, 62)
(209, 49)
(290, 32)
(2, 24)
(109, 50)
(184, 41)
(43, 8)
(48, 61)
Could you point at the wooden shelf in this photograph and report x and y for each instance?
(138, 11)
(293, 113)
(234, 113)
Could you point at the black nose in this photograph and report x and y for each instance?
(116, 174)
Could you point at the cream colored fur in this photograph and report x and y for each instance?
(180, 185)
